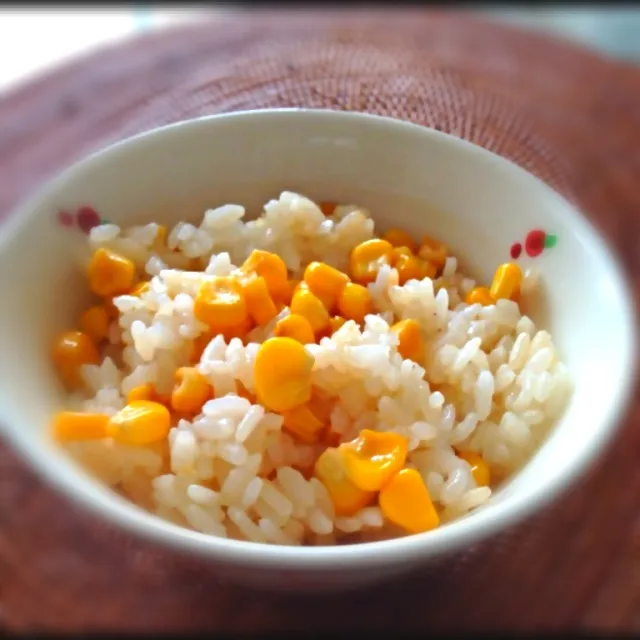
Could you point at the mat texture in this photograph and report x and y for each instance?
(567, 115)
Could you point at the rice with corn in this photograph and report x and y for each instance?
(455, 417)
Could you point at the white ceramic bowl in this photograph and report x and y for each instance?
(413, 177)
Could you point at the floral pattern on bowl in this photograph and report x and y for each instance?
(535, 242)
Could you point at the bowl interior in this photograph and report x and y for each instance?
(415, 178)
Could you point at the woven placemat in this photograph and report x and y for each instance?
(564, 113)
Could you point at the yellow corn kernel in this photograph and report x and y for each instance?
(427, 270)
(239, 330)
(410, 268)
(347, 498)
(95, 323)
(327, 207)
(282, 374)
(72, 350)
(292, 285)
(111, 309)
(400, 238)
(336, 322)
(325, 282)
(433, 251)
(398, 252)
(295, 326)
(71, 425)
(140, 423)
(220, 303)
(199, 345)
(355, 302)
(191, 391)
(367, 258)
(272, 268)
(506, 281)
(332, 438)
(410, 340)
(326, 301)
(261, 307)
(303, 423)
(405, 501)
(110, 274)
(479, 468)
(140, 288)
(305, 303)
(373, 458)
(321, 406)
(161, 236)
(144, 391)
(480, 295)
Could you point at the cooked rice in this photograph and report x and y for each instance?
(491, 383)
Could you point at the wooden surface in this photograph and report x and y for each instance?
(561, 112)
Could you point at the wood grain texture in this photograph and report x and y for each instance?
(562, 112)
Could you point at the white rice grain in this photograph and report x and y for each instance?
(249, 422)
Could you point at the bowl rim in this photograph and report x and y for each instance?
(468, 530)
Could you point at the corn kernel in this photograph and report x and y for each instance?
(506, 281)
(282, 374)
(292, 285)
(410, 268)
(321, 406)
(109, 273)
(405, 501)
(332, 438)
(140, 288)
(295, 326)
(140, 423)
(367, 258)
(95, 323)
(480, 295)
(71, 425)
(479, 468)
(198, 346)
(325, 282)
(72, 350)
(373, 458)
(305, 303)
(410, 340)
(347, 498)
(160, 241)
(144, 391)
(355, 302)
(427, 270)
(259, 303)
(272, 268)
(303, 423)
(336, 322)
(303, 286)
(191, 391)
(398, 252)
(110, 308)
(400, 238)
(238, 331)
(220, 303)
(433, 251)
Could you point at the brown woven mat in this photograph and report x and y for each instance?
(562, 112)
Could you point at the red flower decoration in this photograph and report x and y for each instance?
(87, 218)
